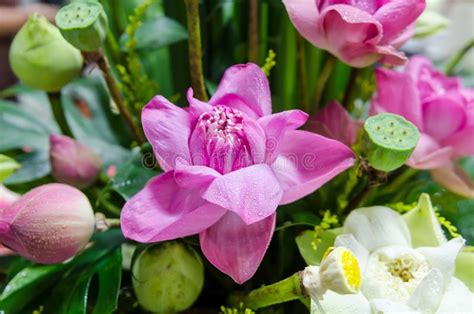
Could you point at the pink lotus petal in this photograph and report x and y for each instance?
(307, 161)
(194, 177)
(335, 122)
(428, 154)
(352, 34)
(395, 16)
(462, 142)
(160, 204)
(196, 107)
(390, 55)
(453, 178)
(167, 128)
(236, 248)
(256, 138)
(252, 192)
(276, 125)
(304, 15)
(397, 93)
(443, 117)
(250, 84)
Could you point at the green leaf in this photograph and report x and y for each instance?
(20, 128)
(305, 245)
(465, 267)
(7, 167)
(27, 284)
(34, 165)
(98, 128)
(157, 33)
(110, 275)
(132, 176)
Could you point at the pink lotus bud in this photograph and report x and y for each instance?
(73, 163)
(49, 224)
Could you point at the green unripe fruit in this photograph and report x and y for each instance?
(84, 24)
(389, 141)
(167, 277)
(41, 58)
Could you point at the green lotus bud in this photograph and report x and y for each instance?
(41, 58)
(167, 277)
(84, 24)
(389, 141)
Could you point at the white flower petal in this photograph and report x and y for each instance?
(360, 252)
(376, 227)
(390, 307)
(334, 303)
(444, 257)
(457, 299)
(424, 227)
(427, 296)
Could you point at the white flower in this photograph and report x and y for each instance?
(406, 262)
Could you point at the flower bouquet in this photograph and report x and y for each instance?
(295, 156)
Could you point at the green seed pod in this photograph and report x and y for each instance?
(167, 277)
(41, 58)
(389, 141)
(84, 24)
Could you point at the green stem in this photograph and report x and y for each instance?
(401, 178)
(323, 79)
(288, 289)
(58, 113)
(348, 100)
(302, 72)
(253, 51)
(104, 66)
(195, 50)
(451, 66)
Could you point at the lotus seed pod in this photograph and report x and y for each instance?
(389, 141)
(84, 24)
(41, 58)
(49, 224)
(167, 277)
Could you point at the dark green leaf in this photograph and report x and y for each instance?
(20, 128)
(132, 176)
(27, 284)
(110, 275)
(34, 165)
(157, 33)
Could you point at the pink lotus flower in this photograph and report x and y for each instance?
(359, 32)
(228, 164)
(443, 111)
(73, 163)
(49, 224)
(335, 122)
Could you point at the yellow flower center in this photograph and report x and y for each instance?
(351, 269)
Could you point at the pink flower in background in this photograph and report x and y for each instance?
(228, 164)
(335, 122)
(72, 162)
(443, 111)
(359, 32)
